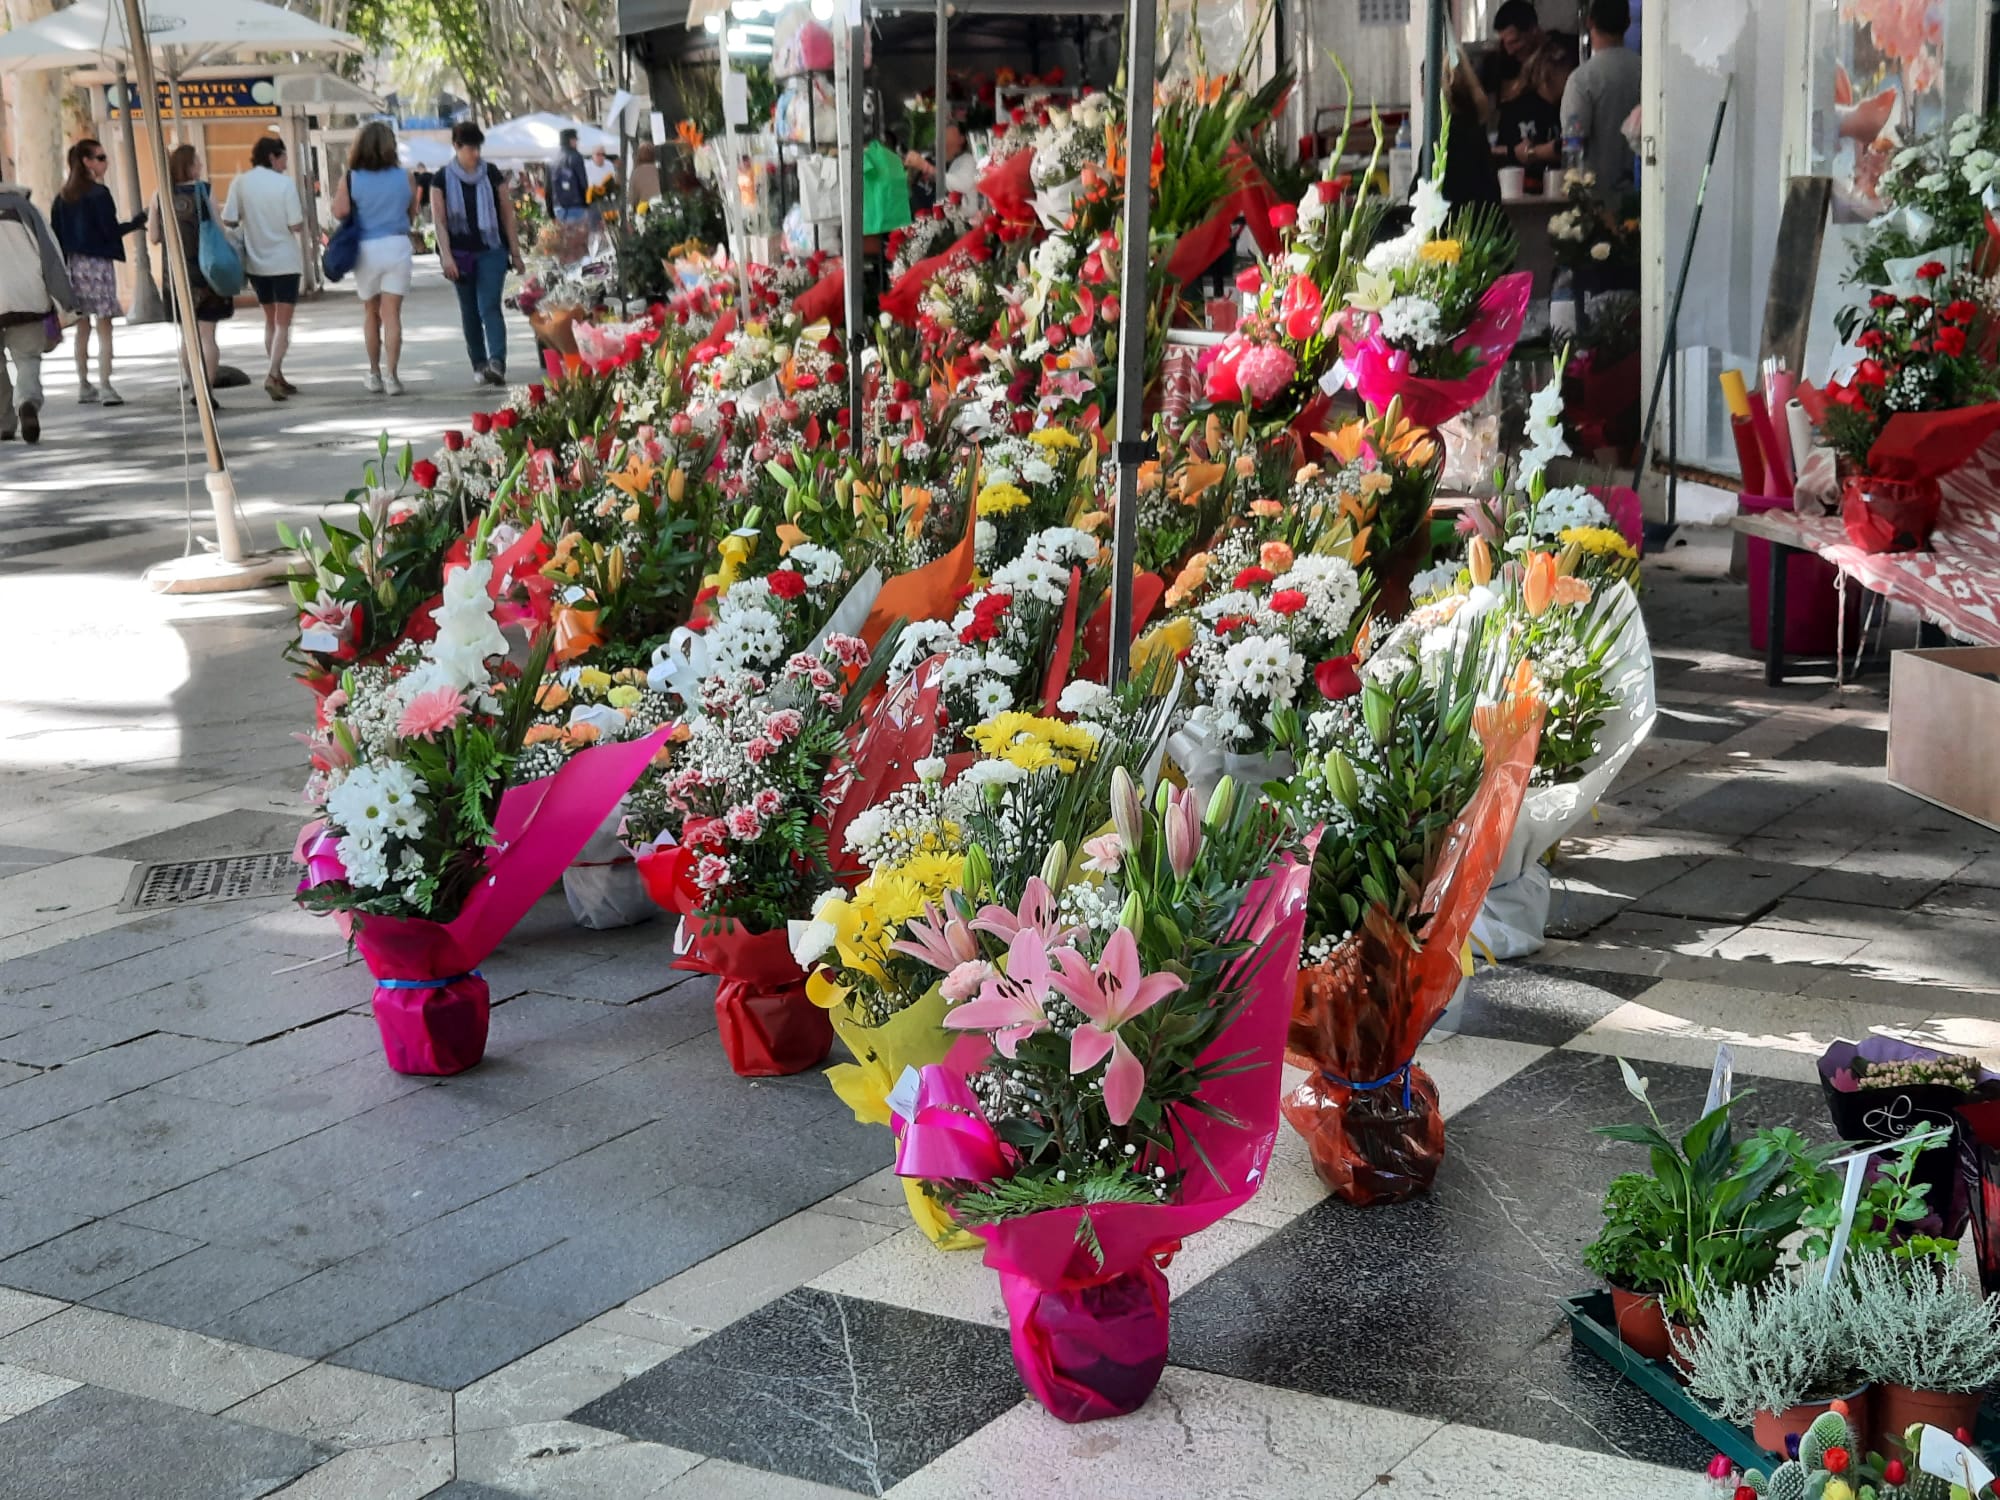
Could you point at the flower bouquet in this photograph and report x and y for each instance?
(1979, 1152)
(1417, 785)
(418, 848)
(1434, 311)
(1129, 1097)
(751, 851)
(1920, 403)
(1938, 193)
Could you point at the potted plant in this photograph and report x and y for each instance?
(1892, 1217)
(1930, 1342)
(1775, 1357)
(1712, 1214)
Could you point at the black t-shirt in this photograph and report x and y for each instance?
(1528, 117)
(469, 238)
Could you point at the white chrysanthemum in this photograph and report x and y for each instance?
(984, 773)
(820, 566)
(1560, 510)
(993, 697)
(1087, 700)
(1411, 323)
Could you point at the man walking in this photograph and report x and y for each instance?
(569, 182)
(1599, 96)
(33, 281)
(265, 203)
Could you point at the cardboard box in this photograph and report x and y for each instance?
(1944, 722)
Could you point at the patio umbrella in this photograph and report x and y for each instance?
(422, 153)
(537, 137)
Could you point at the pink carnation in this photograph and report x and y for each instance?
(784, 724)
(760, 749)
(430, 712)
(769, 802)
(743, 822)
(1264, 371)
(851, 650)
(710, 871)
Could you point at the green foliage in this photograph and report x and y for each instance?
(1773, 1347)
(1890, 1203)
(1918, 1328)
(658, 229)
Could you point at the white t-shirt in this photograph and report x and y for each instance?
(599, 172)
(266, 204)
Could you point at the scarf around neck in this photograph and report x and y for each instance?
(480, 185)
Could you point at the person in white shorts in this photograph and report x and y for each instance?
(380, 193)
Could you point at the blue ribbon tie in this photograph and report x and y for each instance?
(1383, 1082)
(425, 984)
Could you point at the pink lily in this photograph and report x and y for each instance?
(1106, 852)
(1183, 822)
(940, 938)
(1111, 994)
(1037, 915)
(1010, 1004)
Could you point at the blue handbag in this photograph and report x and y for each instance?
(343, 248)
(221, 266)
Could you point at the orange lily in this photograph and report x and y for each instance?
(1538, 583)
(1344, 444)
(576, 633)
(634, 480)
(789, 536)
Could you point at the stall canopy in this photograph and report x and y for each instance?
(537, 137)
(422, 153)
(324, 94)
(183, 33)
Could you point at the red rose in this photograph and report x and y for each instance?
(1023, 422)
(806, 382)
(787, 584)
(505, 418)
(1284, 215)
(1872, 338)
(482, 422)
(425, 474)
(1882, 301)
(1328, 189)
(901, 390)
(1249, 279)
(1961, 311)
(1338, 678)
(1251, 576)
(1951, 340)
(1287, 602)
(1930, 270)
(537, 394)
(1869, 372)
(836, 374)
(453, 440)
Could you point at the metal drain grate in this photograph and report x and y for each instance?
(194, 882)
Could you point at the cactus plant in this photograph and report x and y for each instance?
(1830, 1466)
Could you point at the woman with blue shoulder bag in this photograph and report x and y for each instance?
(191, 208)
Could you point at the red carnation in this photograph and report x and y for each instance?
(537, 394)
(482, 422)
(1870, 372)
(1284, 215)
(1951, 340)
(1961, 311)
(1228, 623)
(1329, 188)
(836, 374)
(1287, 602)
(901, 390)
(1249, 279)
(1338, 678)
(1251, 576)
(787, 584)
(805, 382)
(425, 474)
(505, 418)
(1882, 301)
(1022, 422)
(1930, 270)
(1872, 338)
(453, 440)
(1917, 304)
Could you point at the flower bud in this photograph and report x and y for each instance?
(1127, 816)
(1479, 558)
(1132, 915)
(1183, 832)
(1377, 711)
(1054, 863)
(978, 878)
(1221, 802)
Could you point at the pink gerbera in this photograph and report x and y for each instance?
(430, 713)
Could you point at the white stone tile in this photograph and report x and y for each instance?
(1462, 1461)
(19, 1309)
(349, 1408)
(1200, 1437)
(907, 1270)
(147, 1359)
(744, 1277)
(23, 1390)
(1467, 1067)
(94, 823)
(1291, 1186)
(875, 1199)
(567, 1460)
(1775, 1036)
(719, 1479)
(557, 1378)
(63, 891)
(392, 1471)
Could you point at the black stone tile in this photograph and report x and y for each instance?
(1574, 912)
(452, 1343)
(1728, 888)
(1843, 745)
(1447, 1306)
(824, 1388)
(1546, 1006)
(230, 833)
(465, 1489)
(91, 1259)
(1859, 888)
(1741, 805)
(194, 1289)
(95, 1443)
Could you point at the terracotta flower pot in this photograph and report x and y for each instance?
(1641, 1324)
(1898, 1408)
(1774, 1430)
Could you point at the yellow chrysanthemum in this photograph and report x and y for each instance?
(594, 679)
(1053, 438)
(624, 696)
(1032, 742)
(1440, 252)
(931, 872)
(1604, 541)
(998, 499)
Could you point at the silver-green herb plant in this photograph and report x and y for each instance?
(1772, 1347)
(1914, 1327)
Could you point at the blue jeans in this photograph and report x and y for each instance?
(573, 215)
(479, 308)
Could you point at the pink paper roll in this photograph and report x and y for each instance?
(1777, 473)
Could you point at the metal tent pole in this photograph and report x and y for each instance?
(852, 259)
(1433, 85)
(146, 304)
(1141, 23)
(938, 116)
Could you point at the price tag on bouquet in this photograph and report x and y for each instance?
(902, 1099)
(1856, 1163)
(1947, 1458)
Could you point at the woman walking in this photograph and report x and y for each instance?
(92, 237)
(264, 203)
(190, 202)
(469, 199)
(377, 194)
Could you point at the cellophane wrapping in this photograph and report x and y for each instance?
(1381, 374)
(768, 1026)
(1362, 1012)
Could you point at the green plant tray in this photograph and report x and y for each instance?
(1592, 1325)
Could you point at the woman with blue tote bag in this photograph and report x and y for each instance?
(191, 215)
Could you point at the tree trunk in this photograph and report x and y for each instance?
(35, 142)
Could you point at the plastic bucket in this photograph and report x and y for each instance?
(1812, 592)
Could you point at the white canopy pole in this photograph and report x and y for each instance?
(939, 116)
(853, 259)
(1133, 306)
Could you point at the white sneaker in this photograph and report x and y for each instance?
(373, 384)
(111, 397)
(395, 385)
(86, 394)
